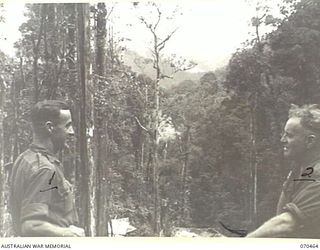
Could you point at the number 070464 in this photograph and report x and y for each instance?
(308, 246)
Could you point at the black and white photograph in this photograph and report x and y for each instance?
(180, 119)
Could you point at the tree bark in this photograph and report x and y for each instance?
(253, 161)
(99, 133)
(2, 154)
(184, 173)
(36, 48)
(83, 42)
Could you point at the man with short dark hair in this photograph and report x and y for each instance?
(298, 211)
(42, 201)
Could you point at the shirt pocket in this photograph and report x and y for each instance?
(63, 206)
(64, 198)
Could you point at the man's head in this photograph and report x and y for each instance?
(301, 138)
(51, 119)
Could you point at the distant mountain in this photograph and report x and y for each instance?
(144, 65)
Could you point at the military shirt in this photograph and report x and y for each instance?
(301, 197)
(39, 190)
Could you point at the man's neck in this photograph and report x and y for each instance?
(310, 158)
(44, 143)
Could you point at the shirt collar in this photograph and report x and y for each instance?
(39, 149)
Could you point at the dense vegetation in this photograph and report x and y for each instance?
(194, 155)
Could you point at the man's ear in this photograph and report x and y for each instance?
(49, 126)
(311, 139)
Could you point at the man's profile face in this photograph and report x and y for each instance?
(62, 130)
(294, 139)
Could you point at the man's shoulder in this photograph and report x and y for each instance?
(316, 169)
(33, 161)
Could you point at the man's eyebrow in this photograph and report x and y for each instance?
(286, 132)
(68, 124)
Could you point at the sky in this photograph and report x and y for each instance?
(209, 31)
(9, 34)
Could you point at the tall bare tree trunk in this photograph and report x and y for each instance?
(184, 172)
(99, 131)
(253, 161)
(36, 47)
(73, 94)
(15, 103)
(83, 42)
(2, 153)
(155, 158)
(55, 37)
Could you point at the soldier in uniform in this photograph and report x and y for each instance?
(42, 201)
(298, 211)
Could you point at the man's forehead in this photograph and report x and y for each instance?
(65, 114)
(293, 123)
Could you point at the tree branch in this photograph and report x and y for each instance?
(141, 126)
(110, 12)
(149, 26)
(166, 76)
(41, 27)
(167, 38)
(260, 18)
(184, 68)
(159, 18)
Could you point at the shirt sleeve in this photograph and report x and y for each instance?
(305, 206)
(38, 195)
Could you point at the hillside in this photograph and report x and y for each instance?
(143, 65)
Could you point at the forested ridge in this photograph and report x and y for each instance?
(197, 154)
